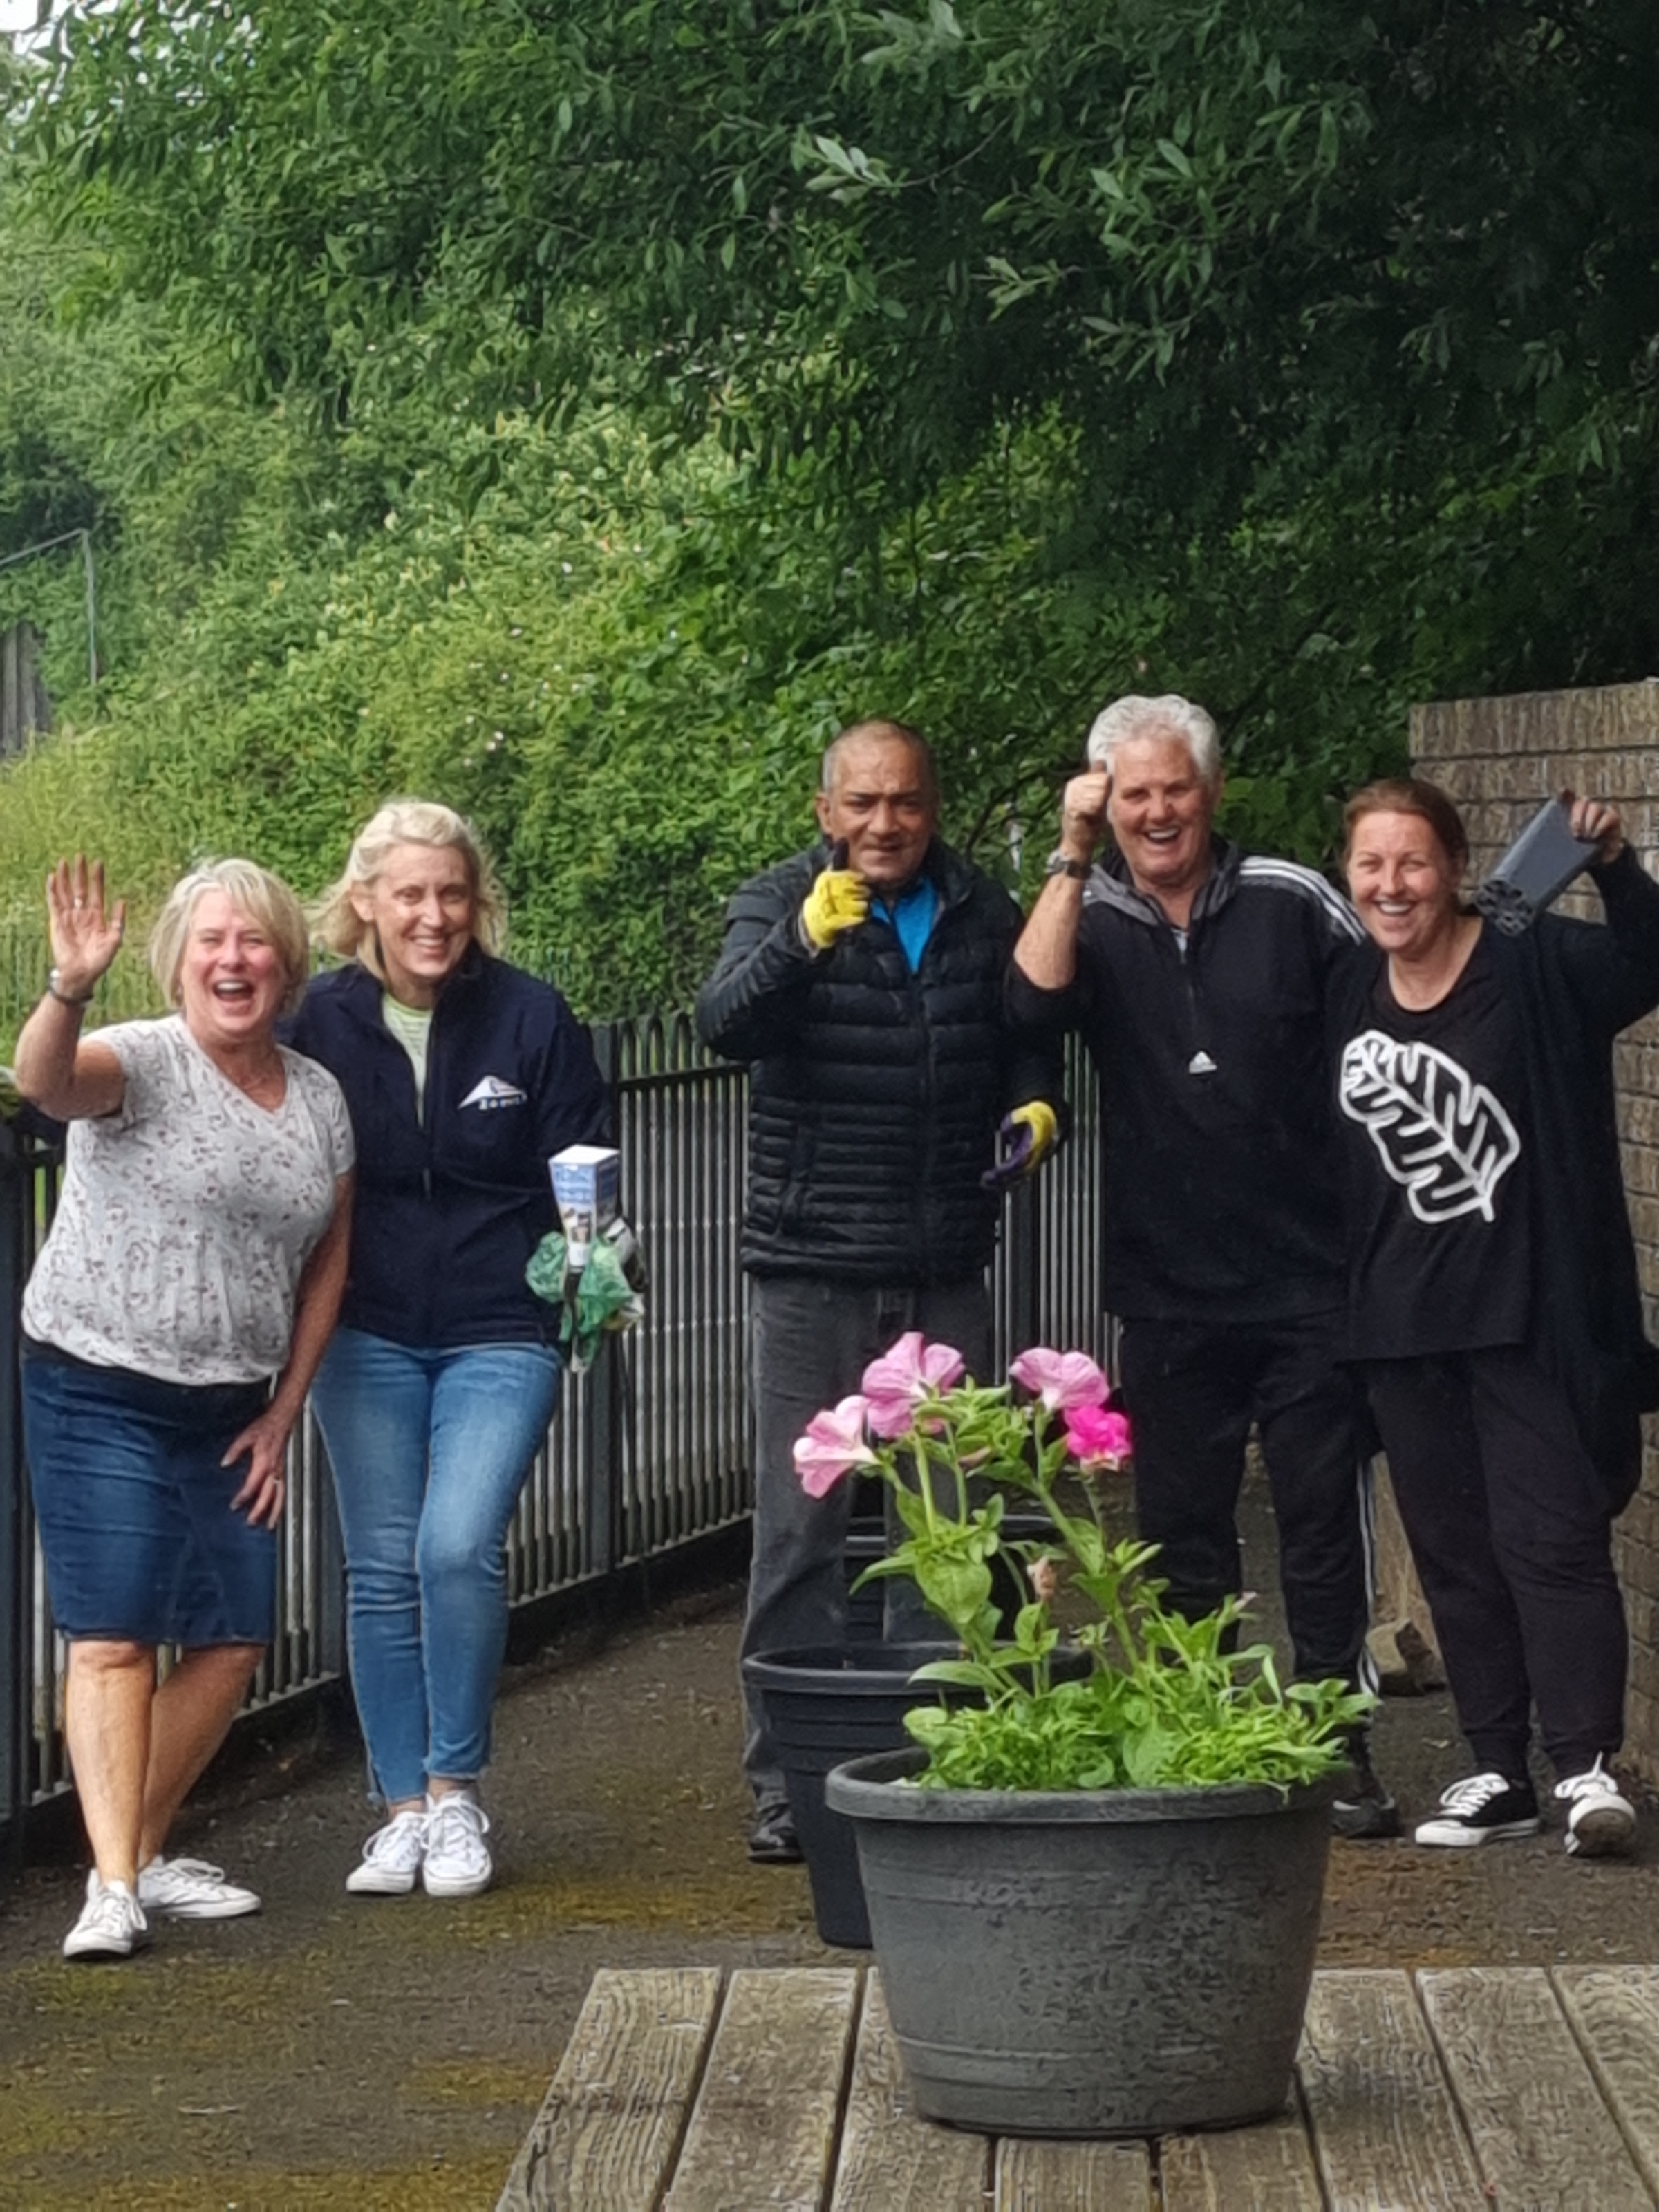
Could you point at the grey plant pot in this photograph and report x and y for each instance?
(1091, 1962)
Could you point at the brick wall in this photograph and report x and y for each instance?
(1498, 758)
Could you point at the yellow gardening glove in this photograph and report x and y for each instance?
(1030, 1132)
(1040, 1119)
(839, 900)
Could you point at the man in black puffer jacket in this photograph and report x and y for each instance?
(863, 983)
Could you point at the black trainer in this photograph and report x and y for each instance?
(773, 1840)
(1485, 1808)
(1364, 1813)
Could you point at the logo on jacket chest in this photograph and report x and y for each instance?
(493, 1093)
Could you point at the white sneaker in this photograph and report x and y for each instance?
(191, 1889)
(1601, 1822)
(111, 1924)
(458, 1860)
(392, 1858)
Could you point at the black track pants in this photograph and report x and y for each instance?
(1509, 1524)
(1192, 1394)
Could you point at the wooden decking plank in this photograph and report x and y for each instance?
(610, 2123)
(1385, 2132)
(1035, 2174)
(1540, 2132)
(1266, 2168)
(1614, 2012)
(890, 2161)
(763, 2132)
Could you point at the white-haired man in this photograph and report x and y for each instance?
(1198, 979)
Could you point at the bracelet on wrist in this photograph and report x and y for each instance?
(55, 990)
(1060, 863)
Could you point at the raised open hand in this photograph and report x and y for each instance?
(85, 938)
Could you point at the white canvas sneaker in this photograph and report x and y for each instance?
(458, 1860)
(1600, 1820)
(191, 1889)
(392, 1858)
(111, 1924)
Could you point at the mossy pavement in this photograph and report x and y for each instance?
(368, 2052)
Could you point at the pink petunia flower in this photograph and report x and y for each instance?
(1061, 1379)
(895, 1384)
(1098, 1436)
(832, 1447)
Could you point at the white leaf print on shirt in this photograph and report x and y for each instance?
(1445, 1136)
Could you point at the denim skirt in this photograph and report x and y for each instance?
(134, 1509)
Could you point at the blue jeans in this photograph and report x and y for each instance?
(430, 1451)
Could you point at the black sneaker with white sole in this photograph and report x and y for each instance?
(1364, 1812)
(1484, 1808)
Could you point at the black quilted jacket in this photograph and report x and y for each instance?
(874, 1094)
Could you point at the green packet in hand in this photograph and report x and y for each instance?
(598, 1302)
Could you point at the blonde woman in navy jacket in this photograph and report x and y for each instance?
(462, 1074)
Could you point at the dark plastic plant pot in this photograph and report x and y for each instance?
(1091, 1962)
(824, 1706)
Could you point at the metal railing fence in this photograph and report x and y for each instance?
(651, 1448)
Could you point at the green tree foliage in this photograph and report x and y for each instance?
(657, 383)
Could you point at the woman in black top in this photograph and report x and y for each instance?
(1494, 1300)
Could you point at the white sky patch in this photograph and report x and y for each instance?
(19, 15)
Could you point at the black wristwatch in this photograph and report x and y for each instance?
(55, 990)
(1060, 865)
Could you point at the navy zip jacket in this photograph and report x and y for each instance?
(450, 1204)
(874, 1094)
(1222, 1175)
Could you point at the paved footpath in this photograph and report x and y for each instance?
(368, 2052)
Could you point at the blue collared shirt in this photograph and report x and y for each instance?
(913, 917)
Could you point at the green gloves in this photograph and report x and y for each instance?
(597, 1302)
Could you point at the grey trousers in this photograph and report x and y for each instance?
(810, 1343)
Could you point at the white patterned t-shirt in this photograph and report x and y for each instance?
(188, 1214)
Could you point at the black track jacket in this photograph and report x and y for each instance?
(1222, 1186)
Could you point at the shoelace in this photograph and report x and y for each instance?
(112, 1913)
(408, 1832)
(1597, 1783)
(455, 1824)
(191, 1869)
(1469, 1796)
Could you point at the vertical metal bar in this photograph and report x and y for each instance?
(16, 1701)
(602, 1468)
(92, 610)
(331, 1653)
